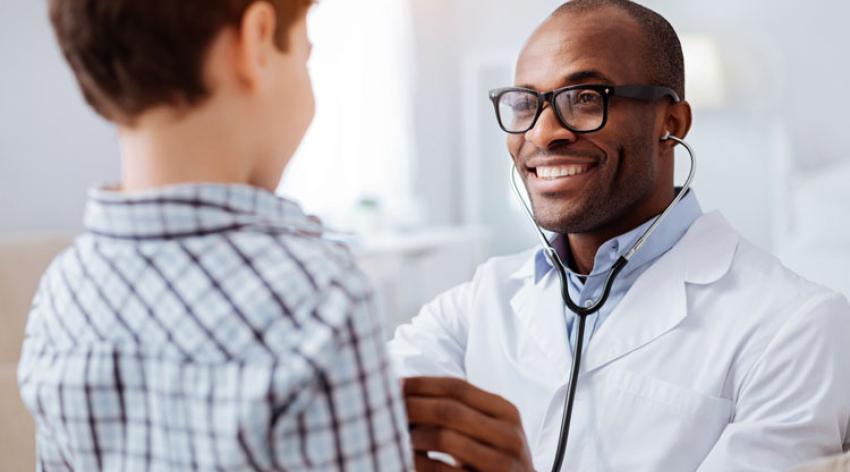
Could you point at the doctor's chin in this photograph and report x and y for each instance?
(406, 235)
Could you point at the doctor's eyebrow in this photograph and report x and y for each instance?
(582, 76)
(588, 75)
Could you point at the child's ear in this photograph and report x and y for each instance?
(256, 43)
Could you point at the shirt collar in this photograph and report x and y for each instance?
(668, 233)
(192, 210)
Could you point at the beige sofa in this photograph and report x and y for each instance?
(22, 260)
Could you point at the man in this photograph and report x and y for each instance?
(201, 322)
(709, 355)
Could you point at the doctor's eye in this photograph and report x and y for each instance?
(587, 99)
(521, 103)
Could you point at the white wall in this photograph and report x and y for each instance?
(52, 148)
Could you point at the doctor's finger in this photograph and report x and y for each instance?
(463, 392)
(451, 414)
(465, 450)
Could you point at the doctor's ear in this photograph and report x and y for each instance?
(677, 121)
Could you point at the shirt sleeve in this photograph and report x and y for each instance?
(350, 415)
(793, 405)
(434, 342)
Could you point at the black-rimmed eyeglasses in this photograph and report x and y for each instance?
(579, 108)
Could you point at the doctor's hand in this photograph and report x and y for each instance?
(481, 431)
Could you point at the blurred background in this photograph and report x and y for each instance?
(405, 159)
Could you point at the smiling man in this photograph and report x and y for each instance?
(709, 355)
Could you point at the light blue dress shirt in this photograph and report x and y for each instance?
(585, 292)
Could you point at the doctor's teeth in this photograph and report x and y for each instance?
(554, 172)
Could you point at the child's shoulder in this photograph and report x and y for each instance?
(216, 288)
(290, 257)
(296, 275)
(303, 288)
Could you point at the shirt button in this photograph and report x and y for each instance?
(588, 303)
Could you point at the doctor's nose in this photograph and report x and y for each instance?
(548, 132)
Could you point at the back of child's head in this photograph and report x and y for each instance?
(131, 55)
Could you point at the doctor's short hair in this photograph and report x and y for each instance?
(665, 62)
(131, 55)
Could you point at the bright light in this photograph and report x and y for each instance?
(361, 145)
(705, 84)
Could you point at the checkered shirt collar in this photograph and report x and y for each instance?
(193, 210)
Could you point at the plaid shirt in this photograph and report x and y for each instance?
(208, 327)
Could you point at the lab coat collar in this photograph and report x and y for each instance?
(527, 269)
(657, 302)
(713, 224)
(654, 305)
(709, 247)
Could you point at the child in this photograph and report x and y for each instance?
(201, 322)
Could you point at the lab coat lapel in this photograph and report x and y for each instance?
(657, 301)
(542, 346)
(654, 305)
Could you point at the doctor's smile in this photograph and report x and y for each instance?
(557, 174)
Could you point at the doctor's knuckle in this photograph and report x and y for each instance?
(456, 388)
(515, 439)
(444, 440)
(446, 412)
(498, 463)
(517, 465)
(511, 411)
(509, 439)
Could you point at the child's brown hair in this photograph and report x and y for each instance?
(130, 55)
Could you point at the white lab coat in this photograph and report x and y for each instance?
(718, 360)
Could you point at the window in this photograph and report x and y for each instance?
(361, 143)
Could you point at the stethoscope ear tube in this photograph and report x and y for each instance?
(676, 199)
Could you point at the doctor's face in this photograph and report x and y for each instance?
(586, 182)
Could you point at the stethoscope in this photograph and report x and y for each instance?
(583, 312)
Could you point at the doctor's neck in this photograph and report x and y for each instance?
(584, 246)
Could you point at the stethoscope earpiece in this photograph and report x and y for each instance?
(666, 136)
